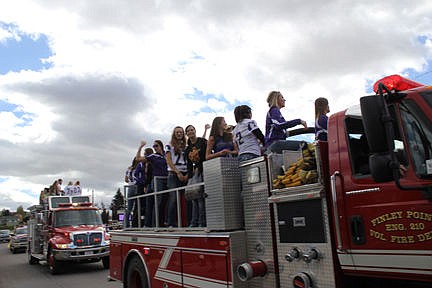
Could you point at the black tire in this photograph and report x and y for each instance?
(53, 264)
(135, 274)
(31, 260)
(106, 262)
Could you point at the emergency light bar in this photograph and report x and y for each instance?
(84, 204)
(396, 83)
(65, 205)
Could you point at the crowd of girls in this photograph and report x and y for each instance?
(175, 164)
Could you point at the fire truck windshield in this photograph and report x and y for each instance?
(418, 135)
(76, 218)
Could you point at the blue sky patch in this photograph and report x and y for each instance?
(199, 95)
(422, 39)
(25, 53)
(423, 77)
(16, 110)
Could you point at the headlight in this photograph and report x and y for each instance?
(62, 246)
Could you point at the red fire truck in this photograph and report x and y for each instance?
(365, 220)
(66, 229)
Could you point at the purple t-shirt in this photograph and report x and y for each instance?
(159, 164)
(321, 128)
(276, 126)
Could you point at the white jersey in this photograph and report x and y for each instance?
(246, 141)
(76, 190)
(179, 161)
(69, 190)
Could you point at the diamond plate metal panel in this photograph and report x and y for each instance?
(222, 185)
(321, 271)
(257, 216)
(238, 256)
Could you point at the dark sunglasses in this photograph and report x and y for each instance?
(155, 145)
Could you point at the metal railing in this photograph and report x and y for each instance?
(155, 194)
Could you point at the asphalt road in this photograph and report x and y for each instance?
(15, 272)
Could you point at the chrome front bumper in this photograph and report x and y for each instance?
(81, 254)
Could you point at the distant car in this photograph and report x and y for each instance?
(4, 235)
(18, 240)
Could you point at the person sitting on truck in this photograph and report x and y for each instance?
(220, 142)
(247, 134)
(177, 171)
(321, 118)
(276, 125)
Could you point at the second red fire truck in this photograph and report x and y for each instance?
(66, 229)
(361, 218)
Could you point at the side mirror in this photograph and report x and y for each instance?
(379, 132)
(374, 112)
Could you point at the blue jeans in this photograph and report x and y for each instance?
(279, 145)
(131, 204)
(150, 211)
(198, 213)
(173, 182)
(246, 156)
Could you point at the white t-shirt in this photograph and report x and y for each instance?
(246, 141)
(68, 190)
(76, 190)
(179, 160)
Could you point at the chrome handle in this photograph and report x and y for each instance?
(293, 254)
(335, 209)
(312, 254)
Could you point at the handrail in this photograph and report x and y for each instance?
(335, 209)
(155, 194)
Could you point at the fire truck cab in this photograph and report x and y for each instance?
(66, 228)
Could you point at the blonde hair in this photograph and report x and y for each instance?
(178, 144)
(272, 99)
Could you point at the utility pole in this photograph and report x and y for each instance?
(93, 196)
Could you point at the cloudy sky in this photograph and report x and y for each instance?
(83, 82)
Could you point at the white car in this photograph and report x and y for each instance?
(4, 235)
(18, 240)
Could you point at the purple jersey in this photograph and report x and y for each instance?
(276, 126)
(321, 128)
(158, 163)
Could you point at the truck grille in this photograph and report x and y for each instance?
(21, 240)
(86, 239)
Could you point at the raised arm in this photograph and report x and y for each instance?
(138, 156)
(206, 127)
